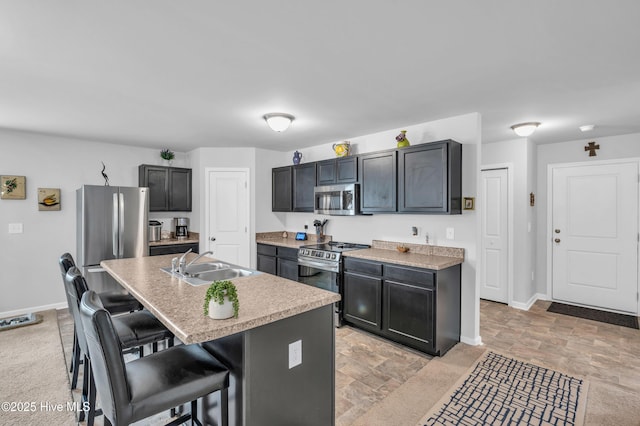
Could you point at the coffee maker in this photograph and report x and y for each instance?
(182, 227)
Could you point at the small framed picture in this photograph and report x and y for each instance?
(468, 203)
(12, 188)
(48, 199)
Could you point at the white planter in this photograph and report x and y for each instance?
(218, 311)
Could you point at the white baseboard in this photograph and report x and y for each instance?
(473, 341)
(528, 304)
(9, 314)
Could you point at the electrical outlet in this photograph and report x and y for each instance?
(414, 231)
(450, 234)
(295, 353)
(15, 228)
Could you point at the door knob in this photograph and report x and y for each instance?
(557, 240)
(212, 238)
(557, 231)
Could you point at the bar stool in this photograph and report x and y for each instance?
(146, 386)
(114, 302)
(133, 330)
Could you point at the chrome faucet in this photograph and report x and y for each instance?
(184, 270)
(182, 263)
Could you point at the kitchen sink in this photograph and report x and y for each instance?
(206, 273)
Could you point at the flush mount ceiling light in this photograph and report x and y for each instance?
(587, 127)
(278, 121)
(525, 129)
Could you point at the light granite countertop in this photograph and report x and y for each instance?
(276, 239)
(264, 298)
(419, 255)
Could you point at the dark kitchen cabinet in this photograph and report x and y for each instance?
(266, 259)
(362, 295)
(173, 249)
(417, 307)
(337, 170)
(277, 260)
(378, 180)
(169, 187)
(281, 186)
(304, 179)
(430, 178)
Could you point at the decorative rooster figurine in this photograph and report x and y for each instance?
(402, 139)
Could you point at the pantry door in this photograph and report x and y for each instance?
(228, 207)
(494, 254)
(594, 235)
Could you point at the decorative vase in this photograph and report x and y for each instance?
(221, 311)
(167, 163)
(342, 149)
(402, 139)
(297, 156)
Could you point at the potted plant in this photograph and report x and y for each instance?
(167, 155)
(221, 300)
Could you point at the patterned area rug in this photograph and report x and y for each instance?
(504, 391)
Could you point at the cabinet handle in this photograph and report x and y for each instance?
(557, 240)
(212, 238)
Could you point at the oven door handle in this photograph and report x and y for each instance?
(318, 265)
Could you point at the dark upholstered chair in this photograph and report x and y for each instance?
(114, 302)
(133, 330)
(146, 386)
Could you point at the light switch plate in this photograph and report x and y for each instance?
(15, 228)
(450, 234)
(295, 353)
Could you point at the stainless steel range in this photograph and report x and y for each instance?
(320, 265)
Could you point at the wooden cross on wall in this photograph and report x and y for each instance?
(591, 147)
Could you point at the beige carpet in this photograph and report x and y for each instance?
(33, 379)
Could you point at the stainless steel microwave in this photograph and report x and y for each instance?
(337, 200)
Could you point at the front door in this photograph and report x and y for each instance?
(228, 215)
(495, 242)
(594, 232)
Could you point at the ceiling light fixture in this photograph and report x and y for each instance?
(587, 127)
(525, 129)
(278, 121)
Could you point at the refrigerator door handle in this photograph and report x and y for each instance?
(114, 227)
(121, 226)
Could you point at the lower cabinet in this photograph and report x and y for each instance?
(419, 308)
(276, 260)
(173, 249)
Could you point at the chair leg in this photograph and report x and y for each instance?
(75, 363)
(170, 341)
(154, 347)
(84, 397)
(92, 400)
(141, 353)
(194, 413)
(224, 407)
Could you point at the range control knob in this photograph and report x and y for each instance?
(333, 256)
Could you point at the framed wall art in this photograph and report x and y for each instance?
(468, 203)
(13, 188)
(48, 199)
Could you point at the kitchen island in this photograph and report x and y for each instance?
(276, 316)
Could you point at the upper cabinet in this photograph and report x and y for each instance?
(281, 185)
(377, 177)
(304, 179)
(425, 178)
(430, 178)
(169, 187)
(337, 170)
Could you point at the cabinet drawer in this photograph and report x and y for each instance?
(362, 266)
(267, 249)
(288, 253)
(418, 277)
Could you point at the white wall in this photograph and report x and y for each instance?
(614, 147)
(520, 155)
(395, 227)
(30, 278)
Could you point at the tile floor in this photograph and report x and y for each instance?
(369, 368)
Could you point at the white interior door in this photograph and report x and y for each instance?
(228, 215)
(495, 240)
(595, 235)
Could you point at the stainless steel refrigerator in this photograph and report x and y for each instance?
(112, 223)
